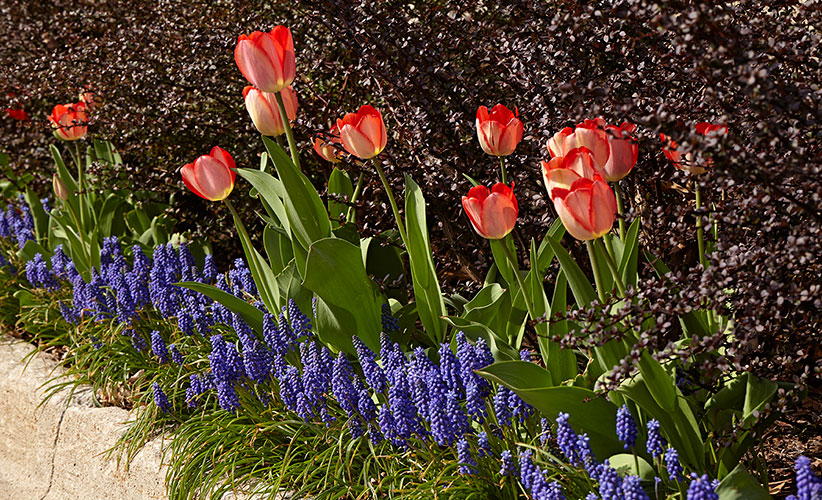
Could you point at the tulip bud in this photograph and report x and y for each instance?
(264, 112)
(266, 60)
(499, 131)
(493, 214)
(69, 121)
(211, 176)
(60, 189)
(363, 133)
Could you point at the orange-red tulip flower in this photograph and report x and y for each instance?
(69, 121)
(264, 112)
(562, 171)
(266, 60)
(499, 131)
(17, 114)
(623, 151)
(363, 133)
(325, 148)
(587, 207)
(493, 214)
(210, 176)
(685, 160)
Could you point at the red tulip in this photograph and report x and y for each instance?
(499, 131)
(363, 133)
(623, 152)
(562, 171)
(211, 176)
(266, 60)
(493, 214)
(17, 114)
(612, 148)
(325, 149)
(587, 207)
(69, 121)
(264, 112)
(685, 160)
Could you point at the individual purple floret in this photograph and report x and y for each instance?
(701, 488)
(158, 346)
(672, 464)
(626, 429)
(655, 444)
(160, 398)
(467, 463)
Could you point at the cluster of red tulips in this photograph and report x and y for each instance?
(584, 159)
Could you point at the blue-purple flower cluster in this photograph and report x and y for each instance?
(808, 484)
(17, 223)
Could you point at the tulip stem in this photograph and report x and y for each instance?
(502, 172)
(351, 216)
(391, 200)
(592, 255)
(620, 210)
(289, 134)
(614, 271)
(700, 237)
(515, 269)
(80, 178)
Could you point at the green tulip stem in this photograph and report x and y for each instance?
(289, 134)
(391, 200)
(614, 271)
(620, 210)
(700, 236)
(515, 268)
(351, 216)
(592, 255)
(82, 233)
(503, 174)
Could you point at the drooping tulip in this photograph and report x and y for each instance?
(266, 60)
(210, 176)
(685, 160)
(69, 121)
(324, 147)
(587, 207)
(493, 214)
(499, 131)
(264, 112)
(623, 151)
(363, 133)
(562, 171)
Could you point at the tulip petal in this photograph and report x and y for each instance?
(498, 216)
(255, 66)
(372, 127)
(356, 143)
(473, 208)
(561, 178)
(603, 208)
(190, 181)
(214, 179)
(595, 141)
(573, 222)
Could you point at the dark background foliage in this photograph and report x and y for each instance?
(171, 91)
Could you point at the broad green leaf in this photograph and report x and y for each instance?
(75, 249)
(740, 485)
(541, 308)
(62, 171)
(583, 292)
(625, 464)
(427, 294)
(501, 260)
(679, 426)
(41, 219)
(587, 412)
(758, 393)
(352, 304)
(545, 253)
(384, 263)
(251, 315)
(339, 183)
(278, 248)
(306, 213)
(107, 213)
(472, 330)
(659, 382)
(32, 248)
(484, 305)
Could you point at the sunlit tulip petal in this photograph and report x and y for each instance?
(499, 131)
(69, 121)
(210, 176)
(363, 133)
(267, 60)
(493, 214)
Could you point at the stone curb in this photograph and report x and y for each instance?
(57, 451)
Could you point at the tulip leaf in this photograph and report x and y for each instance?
(545, 252)
(430, 306)
(625, 464)
(251, 315)
(484, 305)
(278, 248)
(563, 362)
(740, 485)
(541, 307)
(587, 411)
(501, 260)
(679, 426)
(32, 248)
(339, 184)
(350, 302)
(306, 213)
(261, 272)
(629, 262)
(39, 215)
(659, 382)
(583, 292)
